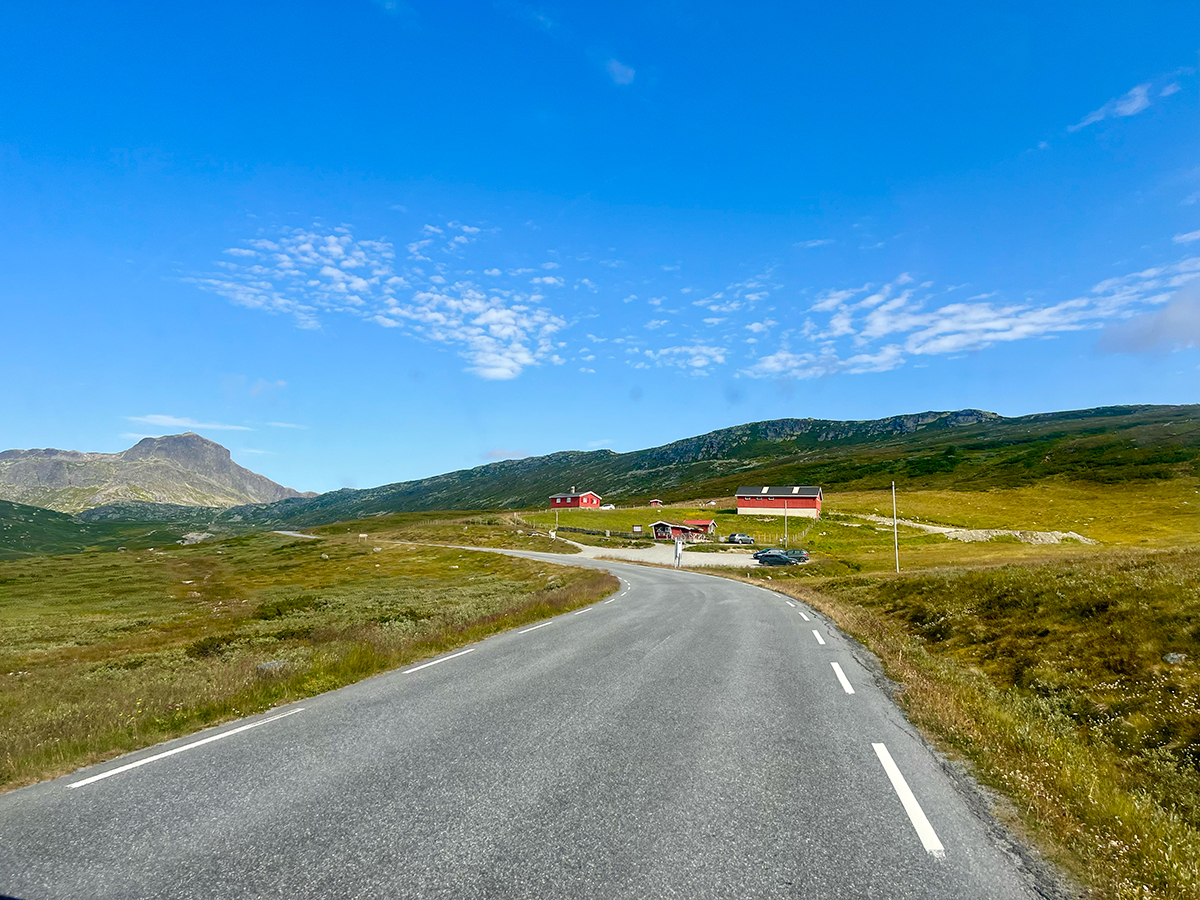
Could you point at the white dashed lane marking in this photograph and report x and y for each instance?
(534, 628)
(837, 670)
(916, 815)
(817, 635)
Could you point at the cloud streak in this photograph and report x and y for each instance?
(309, 274)
(1130, 103)
(183, 422)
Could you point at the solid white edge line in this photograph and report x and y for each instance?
(582, 611)
(789, 603)
(916, 815)
(534, 628)
(442, 660)
(817, 635)
(837, 670)
(174, 750)
(804, 617)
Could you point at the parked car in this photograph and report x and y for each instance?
(799, 554)
(776, 558)
(739, 538)
(759, 553)
(609, 506)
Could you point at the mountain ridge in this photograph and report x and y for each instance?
(970, 448)
(962, 449)
(184, 469)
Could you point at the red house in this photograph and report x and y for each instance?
(674, 531)
(586, 500)
(656, 503)
(787, 500)
(708, 525)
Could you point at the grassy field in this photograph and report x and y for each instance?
(102, 653)
(504, 530)
(839, 543)
(1155, 513)
(1060, 682)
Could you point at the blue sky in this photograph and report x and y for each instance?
(360, 242)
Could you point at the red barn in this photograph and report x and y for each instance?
(586, 500)
(787, 500)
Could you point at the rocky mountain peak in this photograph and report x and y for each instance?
(188, 449)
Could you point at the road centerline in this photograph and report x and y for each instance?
(534, 628)
(837, 670)
(817, 635)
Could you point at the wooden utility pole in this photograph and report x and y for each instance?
(895, 533)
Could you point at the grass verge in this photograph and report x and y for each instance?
(1071, 686)
(104, 653)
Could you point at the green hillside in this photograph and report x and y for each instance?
(32, 531)
(964, 450)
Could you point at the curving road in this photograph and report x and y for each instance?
(688, 737)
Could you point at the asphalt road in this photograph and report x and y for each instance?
(690, 738)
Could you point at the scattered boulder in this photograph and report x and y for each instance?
(1174, 659)
(195, 537)
(271, 668)
(324, 556)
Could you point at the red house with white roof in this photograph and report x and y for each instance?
(573, 500)
(780, 500)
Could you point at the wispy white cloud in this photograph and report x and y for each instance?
(498, 453)
(740, 295)
(785, 364)
(619, 72)
(696, 358)
(309, 274)
(1172, 88)
(818, 242)
(900, 320)
(531, 15)
(1130, 103)
(1187, 238)
(183, 422)
(285, 425)
(1175, 326)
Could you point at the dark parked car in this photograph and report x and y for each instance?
(798, 554)
(739, 538)
(776, 558)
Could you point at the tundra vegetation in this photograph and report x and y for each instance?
(104, 652)
(1066, 675)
